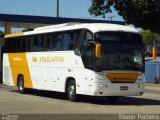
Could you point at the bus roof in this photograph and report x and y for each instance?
(93, 27)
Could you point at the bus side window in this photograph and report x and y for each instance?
(75, 35)
(6, 44)
(71, 39)
(62, 40)
(67, 41)
(22, 44)
(12, 45)
(29, 44)
(51, 42)
(17, 45)
(58, 42)
(87, 51)
(46, 40)
(47, 43)
(35, 44)
(41, 43)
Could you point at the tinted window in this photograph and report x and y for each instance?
(62, 41)
(58, 41)
(87, 50)
(120, 51)
(14, 45)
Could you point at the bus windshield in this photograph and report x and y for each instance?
(120, 51)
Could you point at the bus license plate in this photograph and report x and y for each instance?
(123, 87)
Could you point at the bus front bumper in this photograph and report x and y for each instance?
(116, 89)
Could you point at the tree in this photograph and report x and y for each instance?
(149, 38)
(140, 13)
(1, 34)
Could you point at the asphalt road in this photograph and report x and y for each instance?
(42, 102)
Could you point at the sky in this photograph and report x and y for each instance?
(68, 8)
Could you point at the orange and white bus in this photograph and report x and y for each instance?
(94, 59)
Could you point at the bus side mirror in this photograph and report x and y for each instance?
(98, 50)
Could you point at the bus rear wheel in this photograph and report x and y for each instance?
(71, 91)
(21, 88)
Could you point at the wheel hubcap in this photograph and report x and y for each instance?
(21, 85)
(71, 91)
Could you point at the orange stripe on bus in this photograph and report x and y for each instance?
(19, 66)
(122, 77)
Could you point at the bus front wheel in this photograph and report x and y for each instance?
(21, 88)
(71, 91)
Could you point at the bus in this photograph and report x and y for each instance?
(94, 59)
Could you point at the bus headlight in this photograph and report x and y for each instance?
(101, 85)
(140, 86)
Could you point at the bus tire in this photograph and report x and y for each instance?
(71, 91)
(113, 98)
(21, 87)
